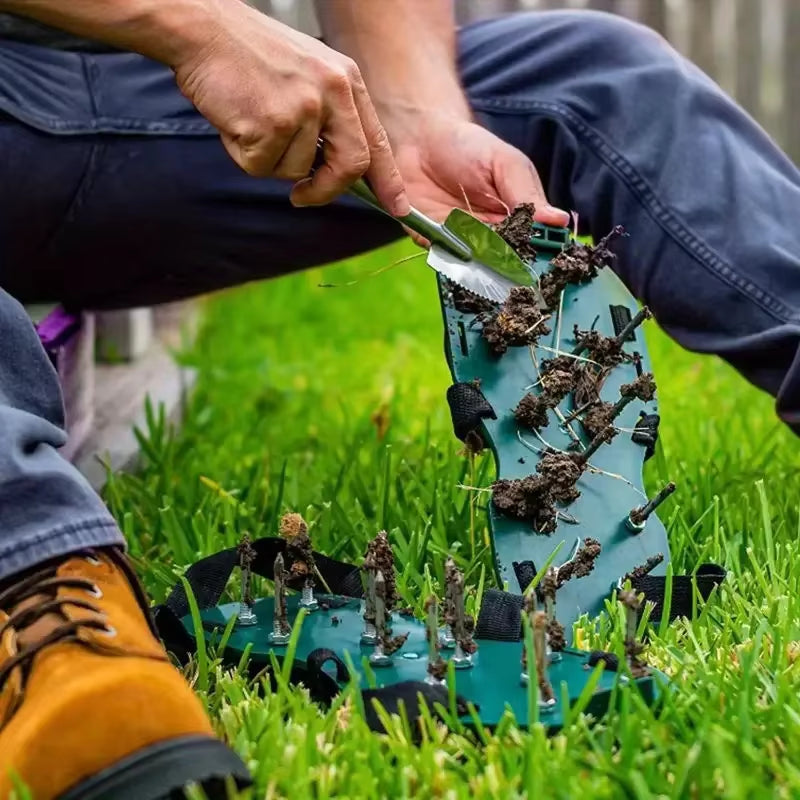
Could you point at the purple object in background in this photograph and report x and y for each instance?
(68, 340)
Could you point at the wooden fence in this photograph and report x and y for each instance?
(746, 46)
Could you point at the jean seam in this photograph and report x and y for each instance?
(59, 532)
(120, 126)
(638, 186)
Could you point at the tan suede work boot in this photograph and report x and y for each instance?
(90, 706)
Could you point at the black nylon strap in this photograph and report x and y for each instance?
(500, 615)
(468, 407)
(209, 576)
(407, 694)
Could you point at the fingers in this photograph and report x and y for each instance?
(356, 145)
(298, 158)
(383, 175)
(518, 182)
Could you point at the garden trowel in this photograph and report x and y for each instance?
(465, 250)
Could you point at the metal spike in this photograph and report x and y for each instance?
(436, 664)
(281, 629)
(246, 616)
(369, 635)
(641, 316)
(461, 659)
(637, 519)
(378, 657)
(448, 640)
(546, 695)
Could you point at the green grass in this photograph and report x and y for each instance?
(331, 402)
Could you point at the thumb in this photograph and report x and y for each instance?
(517, 181)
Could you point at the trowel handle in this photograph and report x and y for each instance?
(415, 220)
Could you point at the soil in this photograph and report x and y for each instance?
(604, 350)
(438, 669)
(555, 635)
(391, 644)
(562, 474)
(247, 554)
(597, 418)
(384, 562)
(468, 303)
(583, 563)
(557, 364)
(531, 413)
(517, 230)
(643, 569)
(588, 383)
(518, 322)
(532, 410)
(576, 264)
(643, 388)
(294, 529)
(528, 499)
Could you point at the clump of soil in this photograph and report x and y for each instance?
(557, 364)
(391, 644)
(576, 264)
(604, 350)
(528, 499)
(561, 473)
(517, 229)
(598, 418)
(519, 321)
(555, 635)
(644, 387)
(294, 529)
(468, 303)
(384, 562)
(588, 382)
(643, 569)
(582, 564)
(531, 412)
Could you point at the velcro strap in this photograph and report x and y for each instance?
(500, 615)
(209, 576)
(468, 408)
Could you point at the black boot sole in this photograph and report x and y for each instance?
(162, 772)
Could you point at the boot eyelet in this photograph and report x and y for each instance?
(95, 592)
(95, 562)
(109, 631)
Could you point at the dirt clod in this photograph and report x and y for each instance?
(384, 563)
(527, 499)
(517, 230)
(518, 322)
(597, 418)
(576, 264)
(555, 635)
(299, 552)
(643, 569)
(561, 473)
(643, 388)
(531, 412)
(468, 303)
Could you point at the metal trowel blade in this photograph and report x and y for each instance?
(494, 269)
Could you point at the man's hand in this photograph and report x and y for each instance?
(448, 162)
(408, 56)
(272, 92)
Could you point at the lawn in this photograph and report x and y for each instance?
(330, 401)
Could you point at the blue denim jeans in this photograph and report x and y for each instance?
(115, 192)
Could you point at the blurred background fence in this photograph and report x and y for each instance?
(749, 47)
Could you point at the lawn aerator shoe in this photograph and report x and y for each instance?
(556, 382)
(90, 705)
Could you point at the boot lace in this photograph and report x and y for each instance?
(47, 582)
